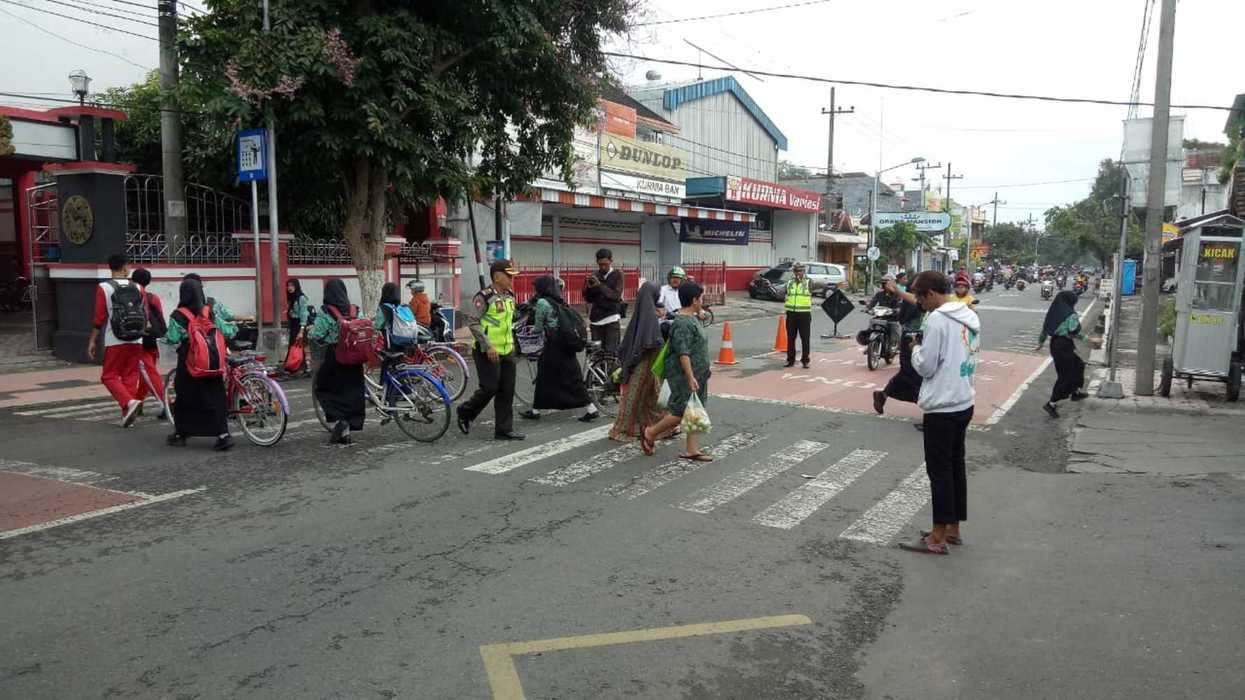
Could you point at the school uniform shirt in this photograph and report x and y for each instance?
(103, 307)
(670, 300)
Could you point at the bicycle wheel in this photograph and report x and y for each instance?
(258, 410)
(525, 378)
(706, 317)
(449, 368)
(315, 406)
(170, 393)
(419, 405)
(601, 387)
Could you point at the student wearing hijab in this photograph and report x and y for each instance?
(338, 388)
(639, 347)
(559, 378)
(297, 311)
(390, 296)
(1063, 326)
(201, 408)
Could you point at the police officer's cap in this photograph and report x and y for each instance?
(505, 266)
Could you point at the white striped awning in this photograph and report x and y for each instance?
(592, 201)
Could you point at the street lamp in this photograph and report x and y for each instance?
(873, 211)
(80, 82)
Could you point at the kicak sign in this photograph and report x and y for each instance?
(771, 194)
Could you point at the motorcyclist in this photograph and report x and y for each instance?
(891, 296)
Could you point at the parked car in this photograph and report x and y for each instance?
(821, 274)
(770, 284)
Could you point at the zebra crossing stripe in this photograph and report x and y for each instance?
(54, 412)
(571, 473)
(806, 500)
(887, 517)
(664, 473)
(514, 460)
(741, 482)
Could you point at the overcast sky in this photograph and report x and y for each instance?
(1081, 48)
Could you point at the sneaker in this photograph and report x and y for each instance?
(879, 401)
(529, 414)
(223, 443)
(338, 434)
(131, 412)
(589, 417)
(464, 423)
(1050, 409)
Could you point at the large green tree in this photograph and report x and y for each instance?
(383, 102)
(899, 240)
(1093, 223)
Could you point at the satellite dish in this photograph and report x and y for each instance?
(652, 76)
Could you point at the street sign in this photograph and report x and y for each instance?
(252, 157)
(927, 221)
(873, 253)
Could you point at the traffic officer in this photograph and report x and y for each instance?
(799, 313)
(492, 326)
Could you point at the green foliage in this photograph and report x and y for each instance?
(1010, 243)
(1091, 225)
(1232, 153)
(897, 241)
(1167, 318)
(6, 136)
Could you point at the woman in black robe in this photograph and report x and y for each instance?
(201, 408)
(1062, 325)
(338, 388)
(559, 378)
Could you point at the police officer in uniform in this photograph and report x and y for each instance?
(492, 326)
(799, 314)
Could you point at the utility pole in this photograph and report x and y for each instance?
(996, 202)
(923, 167)
(274, 223)
(946, 206)
(830, 149)
(1111, 389)
(1146, 335)
(174, 184)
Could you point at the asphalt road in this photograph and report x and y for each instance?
(384, 568)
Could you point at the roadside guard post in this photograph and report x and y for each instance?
(1209, 276)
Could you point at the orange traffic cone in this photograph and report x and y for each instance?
(780, 341)
(726, 356)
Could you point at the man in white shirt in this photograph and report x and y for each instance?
(121, 357)
(670, 292)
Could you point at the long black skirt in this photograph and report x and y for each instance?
(201, 408)
(339, 390)
(1069, 368)
(559, 380)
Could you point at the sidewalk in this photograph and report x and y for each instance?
(17, 343)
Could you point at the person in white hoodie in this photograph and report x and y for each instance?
(946, 358)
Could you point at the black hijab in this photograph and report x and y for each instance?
(292, 297)
(390, 293)
(1060, 309)
(335, 296)
(643, 333)
(547, 287)
(190, 295)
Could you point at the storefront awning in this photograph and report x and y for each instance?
(827, 237)
(592, 201)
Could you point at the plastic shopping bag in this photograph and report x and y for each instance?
(659, 362)
(695, 417)
(663, 396)
(295, 357)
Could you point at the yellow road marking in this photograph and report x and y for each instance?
(504, 677)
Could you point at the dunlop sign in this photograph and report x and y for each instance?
(623, 155)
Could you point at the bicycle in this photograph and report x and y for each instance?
(599, 370)
(706, 316)
(254, 399)
(406, 394)
(444, 363)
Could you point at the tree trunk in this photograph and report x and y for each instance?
(366, 227)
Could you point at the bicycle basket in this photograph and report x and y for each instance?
(530, 340)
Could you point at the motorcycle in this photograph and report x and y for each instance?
(1009, 283)
(1020, 284)
(1061, 282)
(1048, 289)
(877, 337)
(1079, 287)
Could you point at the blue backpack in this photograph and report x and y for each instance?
(404, 329)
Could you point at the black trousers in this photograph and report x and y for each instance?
(906, 385)
(944, 463)
(1069, 368)
(496, 385)
(798, 322)
(607, 335)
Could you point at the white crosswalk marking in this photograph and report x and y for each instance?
(741, 482)
(887, 517)
(805, 501)
(571, 473)
(514, 460)
(664, 473)
(74, 407)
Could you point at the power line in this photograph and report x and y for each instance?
(732, 14)
(84, 7)
(1026, 184)
(914, 88)
(1147, 13)
(71, 41)
(79, 19)
(134, 4)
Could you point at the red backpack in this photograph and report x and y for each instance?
(356, 338)
(205, 353)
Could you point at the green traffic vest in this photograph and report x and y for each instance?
(498, 324)
(799, 298)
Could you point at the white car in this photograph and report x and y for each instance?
(821, 274)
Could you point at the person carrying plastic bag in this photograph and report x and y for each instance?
(687, 372)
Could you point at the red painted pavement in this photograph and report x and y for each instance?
(843, 381)
(31, 500)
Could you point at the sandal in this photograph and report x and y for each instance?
(646, 444)
(951, 539)
(925, 546)
(698, 457)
